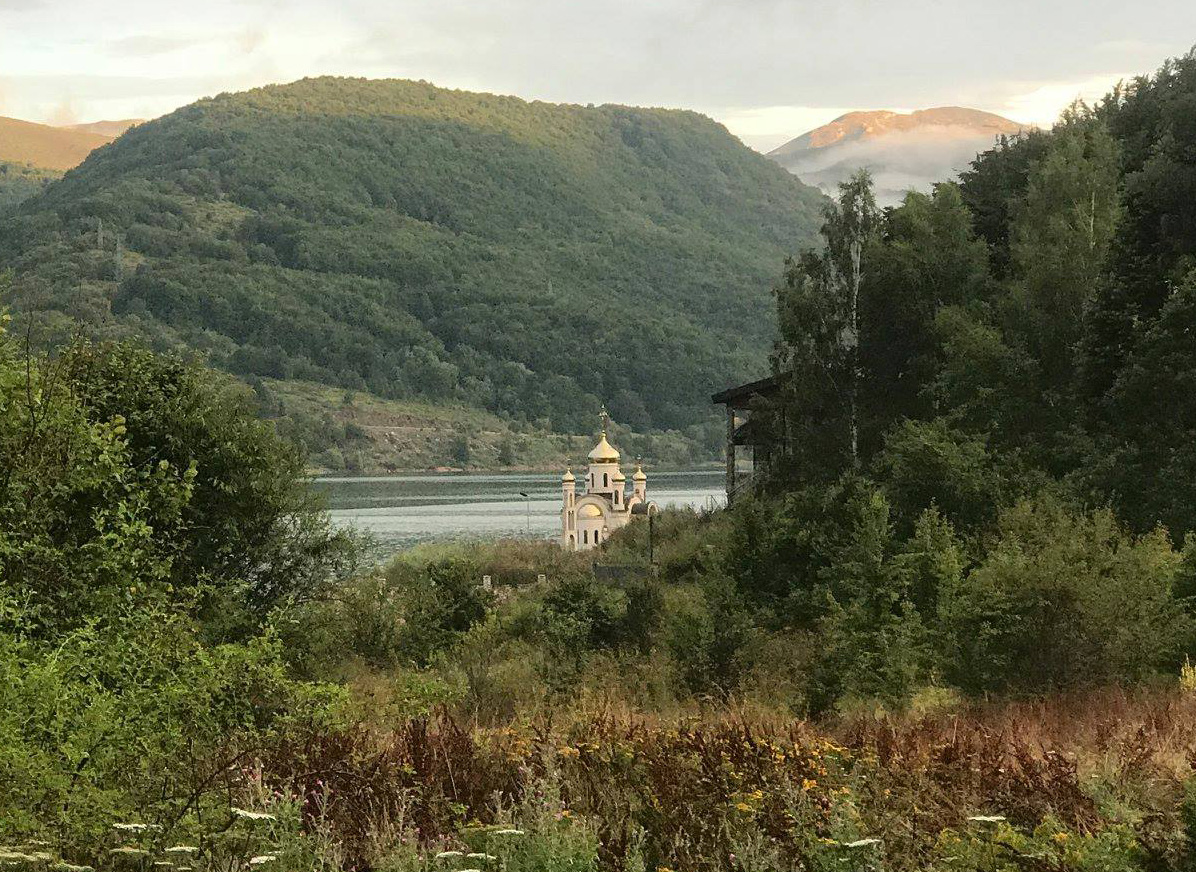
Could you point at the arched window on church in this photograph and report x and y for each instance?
(605, 480)
(585, 537)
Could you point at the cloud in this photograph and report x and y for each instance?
(150, 45)
(899, 162)
(63, 115)
(1041, 104)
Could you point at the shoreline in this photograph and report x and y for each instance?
(320, 472)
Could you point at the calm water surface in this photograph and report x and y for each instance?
(403, 510)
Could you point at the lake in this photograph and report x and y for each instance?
(404, 510)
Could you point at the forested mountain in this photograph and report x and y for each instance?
(528, 258)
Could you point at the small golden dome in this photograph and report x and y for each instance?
(604, 452)
(618, 476)
(568, 476)
(589, 510)
(639, 474)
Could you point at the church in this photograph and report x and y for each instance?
(589, 519)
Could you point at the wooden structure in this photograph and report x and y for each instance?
(740, 434)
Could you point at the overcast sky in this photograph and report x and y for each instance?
(768, 69)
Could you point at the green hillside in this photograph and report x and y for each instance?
(389, 236)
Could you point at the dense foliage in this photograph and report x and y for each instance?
(19, 182)
(391, 236)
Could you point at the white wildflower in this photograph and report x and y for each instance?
(262, 858)
(507, 832)
(135, 828)
(445, 855)
(862, 843)
(252, 815)
(480, 856)
(71, 867)
(131, 852)
(987, 818)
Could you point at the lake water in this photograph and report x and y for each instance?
(404, 510)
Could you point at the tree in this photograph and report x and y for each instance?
(817, 356)
(167, 466)
(1061, 230)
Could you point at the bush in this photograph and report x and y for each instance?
(1064, 599)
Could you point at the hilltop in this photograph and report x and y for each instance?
(903, 150)
(110, 129)
(526, 258)
(46, 147)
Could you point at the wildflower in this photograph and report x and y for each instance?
(135, 828)
(262, 858)
(505, 832)
(808, 784)
(570, 753)
(70, 867)
(743, 806)
(445, 855)
(251, 815)
(1061, 837)
(862, 843)
(987, 818)
(130, 852)
(480, 856)
(471, 870)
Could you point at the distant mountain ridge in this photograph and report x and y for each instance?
(903, 150)
(107, 128)
(527, 258)
(46, 147)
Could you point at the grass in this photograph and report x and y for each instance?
(1099, 780)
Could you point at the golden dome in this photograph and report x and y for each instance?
(589, 510)
(568, 476)
(604, 452)
(618, 476)
(639, 474)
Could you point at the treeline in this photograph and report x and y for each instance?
(530, 259)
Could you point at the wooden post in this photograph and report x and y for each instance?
(730, 452)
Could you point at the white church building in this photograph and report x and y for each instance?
(588, 520)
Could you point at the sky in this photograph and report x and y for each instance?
(768, 69)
